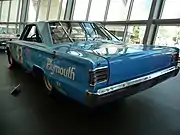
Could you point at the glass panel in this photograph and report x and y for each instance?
(135, 34)
(32, 10)
(171, 9)
(141, 9)
(21, 28)
(168, 36)
(3, 29)
(116, 30)
(17, 29)
(63, 9)
(118, 10)
(80, 9)
(43, 10)
(78, 32)
(5, 9)
(12, 29)
(32, 35)
(14, 10)
(97, 10)
(54, 9)
(19, 16)
(74, 31)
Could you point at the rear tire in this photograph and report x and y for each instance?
(48, 84)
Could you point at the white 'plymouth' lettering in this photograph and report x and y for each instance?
(66, 72)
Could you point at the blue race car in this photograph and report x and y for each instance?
(87, 63)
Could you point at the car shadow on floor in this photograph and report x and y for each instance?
(34, 87)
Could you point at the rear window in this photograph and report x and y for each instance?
(66, 32)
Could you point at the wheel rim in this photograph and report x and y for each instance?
(48, 84)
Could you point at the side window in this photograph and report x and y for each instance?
(32, 34)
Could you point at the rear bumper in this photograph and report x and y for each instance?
(128, 88)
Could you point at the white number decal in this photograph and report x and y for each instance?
(19, 54)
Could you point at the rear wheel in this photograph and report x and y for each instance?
(42, 78)
(48, 84)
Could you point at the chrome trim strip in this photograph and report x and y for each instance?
(98, 83)
(134, 81)
(98, 68)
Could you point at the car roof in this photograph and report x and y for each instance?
(44, 29)
(51, 21)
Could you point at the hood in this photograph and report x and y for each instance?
(103, 49)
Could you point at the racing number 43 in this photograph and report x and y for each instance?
(18, 53)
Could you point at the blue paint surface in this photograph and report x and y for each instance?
(124, 61)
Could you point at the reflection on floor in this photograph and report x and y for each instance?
(152, 112)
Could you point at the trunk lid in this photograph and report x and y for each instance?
(138, 64)
(127, 62)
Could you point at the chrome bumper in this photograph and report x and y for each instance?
(112, 88)
(131, 87)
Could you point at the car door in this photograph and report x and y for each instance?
(30, 46)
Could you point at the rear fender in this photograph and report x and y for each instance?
(38, 70)
(68, 76)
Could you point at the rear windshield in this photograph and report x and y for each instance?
(62, 32)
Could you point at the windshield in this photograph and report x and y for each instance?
(62, 32)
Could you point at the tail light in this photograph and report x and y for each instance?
(98, 75)
(175, 58)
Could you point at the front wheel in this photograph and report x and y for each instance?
(11, 60)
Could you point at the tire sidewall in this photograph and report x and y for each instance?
(48, 84)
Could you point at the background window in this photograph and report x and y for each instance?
(4, 12)
(116, 30)
(80, 9)
(135, 34)
(32, 10)
(118, 10)
(43, 10)
(63, 9)
(141, 9)
(97, 10)
(168, 36)
(171, 9)
(12, 29)
(14, 10)
(54, 9)
(3, 29)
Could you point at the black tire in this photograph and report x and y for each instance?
(48, 84)
(43, 79)
(11, 60)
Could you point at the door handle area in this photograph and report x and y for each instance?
(53, 54)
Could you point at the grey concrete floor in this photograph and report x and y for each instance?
(152, 112)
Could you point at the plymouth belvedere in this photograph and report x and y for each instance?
(87, 63)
